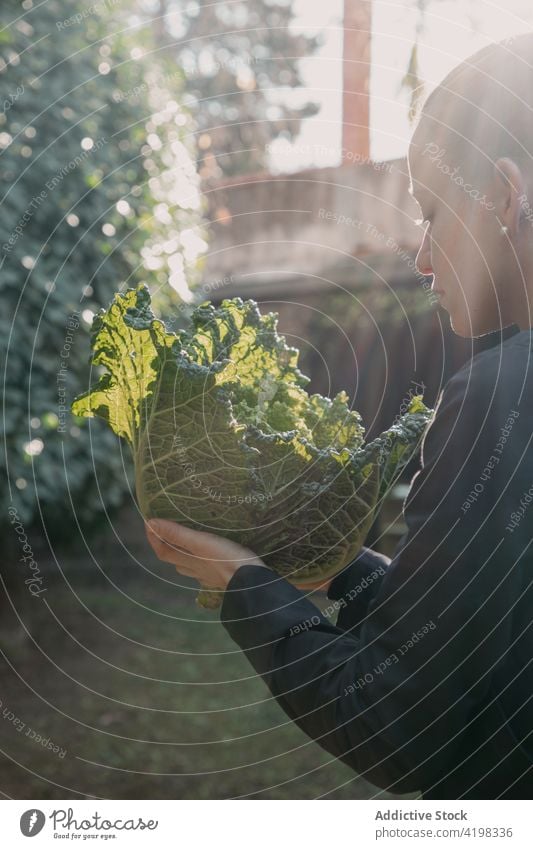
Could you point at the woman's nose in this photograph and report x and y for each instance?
(423, 257)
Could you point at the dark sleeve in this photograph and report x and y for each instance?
(353, 589)
(394, 701)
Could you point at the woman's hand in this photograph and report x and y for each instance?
(211, 559)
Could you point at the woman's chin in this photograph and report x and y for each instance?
(467, 327)
(464, 325)
(461, 327)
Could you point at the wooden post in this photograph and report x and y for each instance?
(356, 81)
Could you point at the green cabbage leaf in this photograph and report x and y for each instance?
(226, 438)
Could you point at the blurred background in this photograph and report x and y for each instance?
(251, 148)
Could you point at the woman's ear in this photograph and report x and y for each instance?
(509, 193)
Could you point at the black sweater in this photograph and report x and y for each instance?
(426, 681)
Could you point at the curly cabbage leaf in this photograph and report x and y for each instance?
(226, 438)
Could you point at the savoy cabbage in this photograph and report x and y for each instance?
(225, 436)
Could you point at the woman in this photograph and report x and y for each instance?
(426, 682)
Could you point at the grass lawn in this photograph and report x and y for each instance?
(145, 695)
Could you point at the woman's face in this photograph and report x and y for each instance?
(462, 243)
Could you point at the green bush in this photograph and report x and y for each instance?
(97, 187)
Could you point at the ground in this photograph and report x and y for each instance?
(145, 695)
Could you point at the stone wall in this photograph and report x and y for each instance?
(267, 229)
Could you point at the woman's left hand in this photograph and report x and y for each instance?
(211, 559)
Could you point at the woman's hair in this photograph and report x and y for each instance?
(483, 109)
